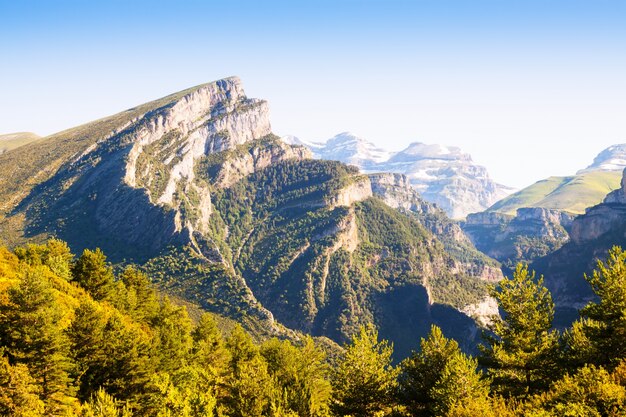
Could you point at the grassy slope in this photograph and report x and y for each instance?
(12, 141)
(572, 194)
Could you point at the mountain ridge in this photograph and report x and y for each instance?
(195, 189)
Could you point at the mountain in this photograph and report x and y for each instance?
(592, 235)
(443, 175)
(575, 193)
(15, 140)
(196, 190)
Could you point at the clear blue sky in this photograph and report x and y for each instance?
(529, 88)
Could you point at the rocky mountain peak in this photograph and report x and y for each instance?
(351, 149)
(417, 151)
(612, 158)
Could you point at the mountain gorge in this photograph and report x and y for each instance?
(537, 220)
(443, 175)
(196, 190)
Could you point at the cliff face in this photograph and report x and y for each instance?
(132, 182)
(532, 233)
(396, 191)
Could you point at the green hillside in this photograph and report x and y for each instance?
(571, 194)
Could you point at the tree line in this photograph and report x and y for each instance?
(76, 339)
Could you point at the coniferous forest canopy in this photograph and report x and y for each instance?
(80, 339)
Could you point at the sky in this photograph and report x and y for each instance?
(529, 88)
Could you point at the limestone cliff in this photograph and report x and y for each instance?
(532, 233)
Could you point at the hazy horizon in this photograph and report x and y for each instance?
(529, 89)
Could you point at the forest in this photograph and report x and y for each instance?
(78, 338)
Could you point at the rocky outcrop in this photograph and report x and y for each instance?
(484, 311)
(396, 191)
(256, 159)
(357, 190)
(604, 218)
(532, 233)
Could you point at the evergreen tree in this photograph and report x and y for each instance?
(423, 369)
(521, 352)
(186, 392)
(300, 375)
(112, 354)
(19, 392)
(31, 332)
(460, 386)
(55, 254)
(365, 380)
(209, 348)
(604, 321)
(102, 404)
(92, 272)
(173, 339)
(249, 386)
(140, 298)
(591, 391)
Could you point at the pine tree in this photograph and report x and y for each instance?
(521, 353)
(55, 254)
(111, 353)
(173, 336)
(102, 404)
(604, 321)
(141, 300)
(460, 386)
(300, 375)
(31, 333)
(209, 348)
(88, 347)
(249, 386)
(92, 273)
(423, 369)
(19, 393)
(365, 380)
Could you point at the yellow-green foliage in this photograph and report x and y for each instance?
(133, 353)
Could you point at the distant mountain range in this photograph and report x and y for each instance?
(443, 175)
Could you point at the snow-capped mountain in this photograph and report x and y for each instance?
(612, 158)
(443, 175)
